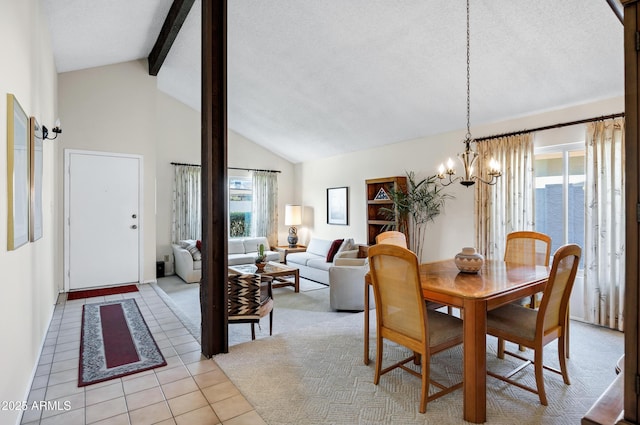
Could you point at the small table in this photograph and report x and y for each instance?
(276, 270)
(286, 250)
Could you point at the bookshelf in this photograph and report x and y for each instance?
(378, 198)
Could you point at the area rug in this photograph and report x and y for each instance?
(316, 376)
(115, 342)
(101, 292)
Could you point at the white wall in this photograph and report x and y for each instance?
(29, 288)
(453, 229)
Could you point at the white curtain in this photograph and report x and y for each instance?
(509, 205)
(604, 250)
(186, 218)
(264, 214)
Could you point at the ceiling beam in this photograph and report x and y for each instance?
(618, 9)
(170, 29)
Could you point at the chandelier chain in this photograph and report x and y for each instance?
(468, 137)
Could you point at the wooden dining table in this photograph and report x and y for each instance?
(496, 284)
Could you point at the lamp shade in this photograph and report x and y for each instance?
(292, 215)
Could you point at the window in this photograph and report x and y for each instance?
(559, 196)
(240, 200)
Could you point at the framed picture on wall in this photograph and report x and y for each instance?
(338, 205)
(17, 174)
(35, 179)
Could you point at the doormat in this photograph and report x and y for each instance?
(115, 341)
(88, 293)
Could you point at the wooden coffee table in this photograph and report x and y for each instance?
(276, 270)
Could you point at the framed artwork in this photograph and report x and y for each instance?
(35, 179)
(17, 174)
(338, 205)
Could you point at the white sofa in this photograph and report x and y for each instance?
(313, 262)
(188, 261)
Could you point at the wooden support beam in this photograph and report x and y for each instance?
(170, 29)
(213, 286)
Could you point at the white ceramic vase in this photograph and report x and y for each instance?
(469, 261)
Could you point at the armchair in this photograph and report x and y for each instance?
(346, 283)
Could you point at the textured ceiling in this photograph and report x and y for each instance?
(312, 78)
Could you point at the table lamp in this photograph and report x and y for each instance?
(292, 217)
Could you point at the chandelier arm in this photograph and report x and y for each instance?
(492, 182)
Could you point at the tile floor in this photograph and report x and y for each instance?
(190, 389)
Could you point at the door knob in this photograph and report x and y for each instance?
(134, 226)
(134, 216)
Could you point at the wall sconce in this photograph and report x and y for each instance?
(56, 129)
(292, 217)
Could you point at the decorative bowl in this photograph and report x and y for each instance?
(261, 267)
(469, 261)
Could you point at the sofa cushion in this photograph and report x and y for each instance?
(197, 265)
(194, 251)
(347, 245)
(319, 263)
(186, 242)
(333, 250)
(252, 244)
(242, 258)
(319, 247)
(301, 258)
(235, 246)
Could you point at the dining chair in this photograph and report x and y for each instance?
(392, 237)
(402, 317)
(536, 328)
(250, 298)
(531, 248)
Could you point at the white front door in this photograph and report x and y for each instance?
(103, 224)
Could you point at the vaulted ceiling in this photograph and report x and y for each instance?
(312, 78)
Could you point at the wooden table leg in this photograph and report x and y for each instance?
(475, 361)
(366, 323)
(296, 280)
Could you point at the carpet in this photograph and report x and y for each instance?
(316, 376)
(101, 292)
(115, 341)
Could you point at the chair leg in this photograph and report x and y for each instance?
(253, 331)
(500, 348)
(566, 334)
(271, 322)
(376, 376)
(562, 358)
(425, 386)
(539, 377)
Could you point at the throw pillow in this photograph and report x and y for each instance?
(195, 252)
(333, 250)
(199, 245)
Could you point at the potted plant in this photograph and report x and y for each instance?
(422, 202)
(260, 263)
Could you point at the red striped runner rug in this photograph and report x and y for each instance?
(115, 342)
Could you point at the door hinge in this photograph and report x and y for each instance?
(637, 384)
(638, 212)
(637, 41)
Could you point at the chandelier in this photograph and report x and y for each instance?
(469, 156)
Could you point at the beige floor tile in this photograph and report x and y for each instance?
(66, 403)
(40, 382)
(106, 409)
(74, 417)
(201, 416)
(139, 384)
(45, 369)
(170, 421)
(137, 375)
(210, 378)
(172, 374)
(220, 392)
(182, 339)
(105, 393)
(188, 347)
(65, 376)
(150, 414)
(202, 367)
(144, 398)
(57, 391)
(168, 351)
(187, 402)
(66, 355)
(231, 407)
(192, 356)
(179, 387)
(46, 359)
(249, 418)
(122, 419)
(64, 365)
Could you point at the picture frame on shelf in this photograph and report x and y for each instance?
(17, 174)
(338, 205)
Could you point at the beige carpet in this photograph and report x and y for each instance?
(311, 371)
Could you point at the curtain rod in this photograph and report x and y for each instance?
(550, 127)
(230, 168)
